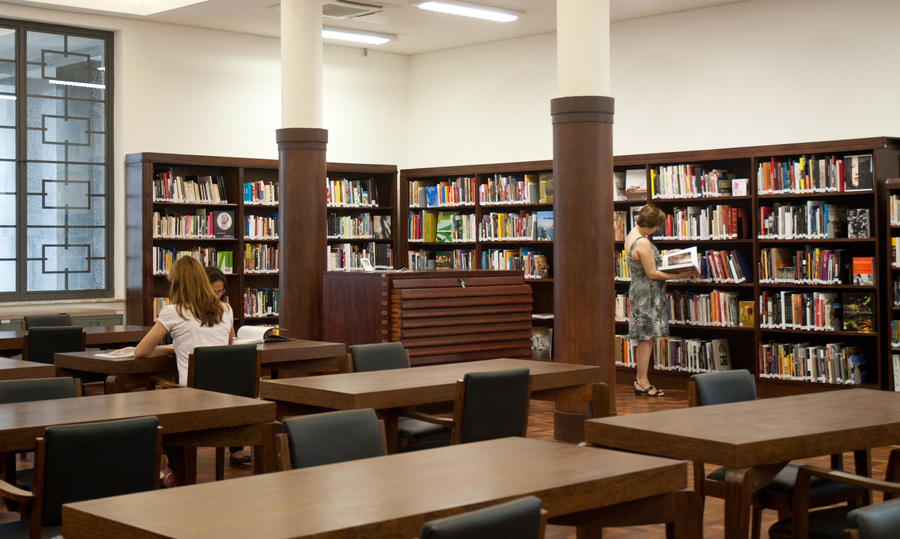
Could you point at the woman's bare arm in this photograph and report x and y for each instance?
(149, 345)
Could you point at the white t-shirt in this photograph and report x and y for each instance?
(188, 334)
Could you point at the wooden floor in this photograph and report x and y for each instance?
(541, 426)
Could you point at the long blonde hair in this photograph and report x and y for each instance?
(192, 292)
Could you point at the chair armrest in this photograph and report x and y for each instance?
(848, 478)
(415, 414)
(11, 492)
(282, 452)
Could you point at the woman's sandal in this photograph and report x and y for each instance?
(648, 391)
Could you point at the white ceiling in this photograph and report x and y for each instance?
(418, 30)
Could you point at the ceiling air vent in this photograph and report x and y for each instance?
(345, 9)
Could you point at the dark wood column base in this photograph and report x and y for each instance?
(302, 247)
(568, 426)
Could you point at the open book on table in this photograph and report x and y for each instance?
(256, 334)
(680, 259)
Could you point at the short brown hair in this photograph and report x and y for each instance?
(651, 216)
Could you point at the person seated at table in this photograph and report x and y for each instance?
(195, 317)
(218, 283)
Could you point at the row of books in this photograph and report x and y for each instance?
(203, 224)
(259, 302)
(261, 258)
(895, 210)
(895, 252)
(162, 258)
(809, 174)
(522, 226)
(353, 193)
(720, 222)
(261, 227)
(534, 264)
(817, 311)
(679, 354)
(346, 256)
(831, 363)
(260, 193)
(359, 226)
(814, 220)
(721, 266)
(813, 265)
(895, 333)
(689, 181)
(622, 269)
(192, 188)
(623, 308)
(461, 191)
(463, 259)
(528, 189)
(158, 303)
(716, 308)
(442, 227)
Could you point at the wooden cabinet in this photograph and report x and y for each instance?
(440, 316)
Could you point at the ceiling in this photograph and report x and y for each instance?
(419, 31)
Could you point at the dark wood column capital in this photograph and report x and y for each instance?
(583, 240)
(302, 215)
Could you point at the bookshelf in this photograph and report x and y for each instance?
(892, 279)
(249, 188)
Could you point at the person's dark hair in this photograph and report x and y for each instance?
(651, 216)
(215, 275)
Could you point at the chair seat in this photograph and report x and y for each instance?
(822, 492)
(25, 479)
(21, 529)
(417, 431)
(823, 524)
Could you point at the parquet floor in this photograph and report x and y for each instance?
(541, 426)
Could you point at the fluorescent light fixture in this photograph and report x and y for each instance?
(79, 84)
(10, 97)
(357, 36)
(468, 9)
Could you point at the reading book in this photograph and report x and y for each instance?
(256, 334)
(680, 259)
(128, 351)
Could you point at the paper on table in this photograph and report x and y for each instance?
(128, 351)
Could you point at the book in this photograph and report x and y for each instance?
(862, 270)
(619, 186)
(544, 225)
(223, 224)
(444, 231)
(546, 183)
(532, 189)
(633, 213)
(721, 354)
(619, 225)
(248, 334)
(680, 259)
(745, 308)
(431, 196)
(858, 223)
(541, 342)
(429, 226)
(126, 352)
(225, 262)
(739, 187)
(859, 312)
(636, 181)
(895, 359)
(443, 260)
(858, 173)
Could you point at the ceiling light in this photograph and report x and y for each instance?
(79, 84)
(10, 97)
(369, 38)
(468, 9)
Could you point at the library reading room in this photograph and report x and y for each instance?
(481, 269)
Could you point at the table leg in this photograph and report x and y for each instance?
(390, 418)
(737, 503)
(862, 458)
(265, 455)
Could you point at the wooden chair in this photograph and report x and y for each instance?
(518, 519)
(43, 320)
(488, 405)
(41, 343)
(35, 389)
(877, 521)
(414, 434)
(84, 462)
(230, 369)
(330, 437)
(738, 386)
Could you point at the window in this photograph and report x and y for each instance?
(55, 162)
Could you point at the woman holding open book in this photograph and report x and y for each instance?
(649, 317)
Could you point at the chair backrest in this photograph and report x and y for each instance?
(492, 405)
(518, 519)
(43, 320)
(94, 460)
(878, 521)
(724, 387)
(227, 369)
(332, 437)
(378, 357)
(42, 342)
(37, 389)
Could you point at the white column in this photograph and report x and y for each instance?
(301, 63)
(582, 41)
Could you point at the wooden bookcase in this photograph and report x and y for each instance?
(142, 285)
(542, 289)
(891, 287)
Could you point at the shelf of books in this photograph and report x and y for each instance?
(892, 275)
(224, 212)
(789, 257)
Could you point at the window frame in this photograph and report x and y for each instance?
(21, 294)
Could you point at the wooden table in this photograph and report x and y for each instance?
(16, 369)
(389, 390)
(393, 496)
(124, 374)
(757, 438)
(190, 418)
(96, 336)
